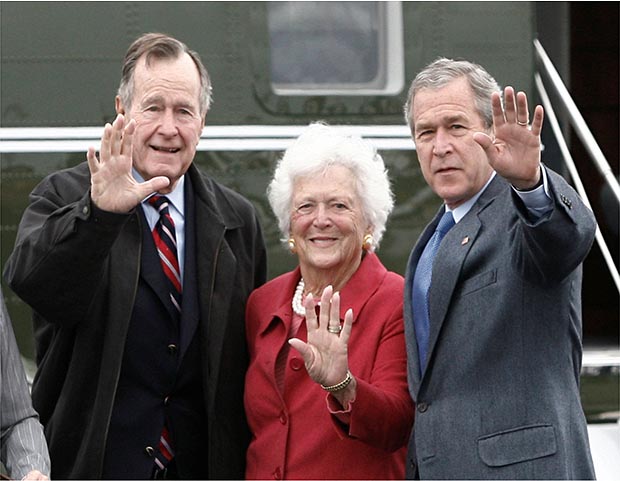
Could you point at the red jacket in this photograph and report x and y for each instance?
(297, 435)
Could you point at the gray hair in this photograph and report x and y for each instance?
(443, 71)
(319, 147)
(160, 46)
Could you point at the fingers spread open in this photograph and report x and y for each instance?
(537, 122)
(347, 325)
(311, 320)
(91, 157)
(117, 135)
(523, 116)
(498, 111)
(127, 138)
(325, 310)
(106, 139)
(303, 349)
(333, 325)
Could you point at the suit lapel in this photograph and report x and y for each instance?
(412, 346)
(446, 272)
(450, 259)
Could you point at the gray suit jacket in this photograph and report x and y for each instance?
(500, 395)
(22, 443)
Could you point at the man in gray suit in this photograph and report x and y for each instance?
(23, 449)
(494, 344)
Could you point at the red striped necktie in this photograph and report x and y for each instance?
(165, 240)
(164, 453)
(166, 243)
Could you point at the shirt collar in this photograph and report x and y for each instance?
(462, 210)
(176, 197)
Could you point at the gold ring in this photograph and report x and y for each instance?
(522, 124)
(334, 330)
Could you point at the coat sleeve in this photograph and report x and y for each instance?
(62, 245)
(382, 413)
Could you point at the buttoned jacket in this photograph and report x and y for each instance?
(294, 433)
(500, 394)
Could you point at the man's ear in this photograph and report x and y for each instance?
(120, 109)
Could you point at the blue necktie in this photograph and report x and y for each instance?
(421, 285)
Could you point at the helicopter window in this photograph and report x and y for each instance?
(336, 48)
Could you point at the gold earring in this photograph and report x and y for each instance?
(291, 244)
(367, 243)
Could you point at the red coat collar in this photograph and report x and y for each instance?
(364, 282)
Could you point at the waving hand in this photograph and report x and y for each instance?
(514, 153)
(113, 187)
(326, 352)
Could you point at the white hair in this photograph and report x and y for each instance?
(315, 150)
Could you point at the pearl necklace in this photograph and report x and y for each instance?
(298, 307)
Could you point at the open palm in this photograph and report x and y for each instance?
(514, 153)
(113, 187)
(326, 353)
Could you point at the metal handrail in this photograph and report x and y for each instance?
(572, 169)
(213, 137)
(577, 119)
(586, 136)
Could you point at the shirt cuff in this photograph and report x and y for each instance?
(538, 202)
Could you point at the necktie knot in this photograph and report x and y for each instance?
(160, 202)
(446, 223)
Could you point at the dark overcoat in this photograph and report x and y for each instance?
(78, 269)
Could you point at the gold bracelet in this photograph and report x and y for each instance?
(341, 385)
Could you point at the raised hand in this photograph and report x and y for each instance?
(113, 187)
(514, 153)
(325, 354)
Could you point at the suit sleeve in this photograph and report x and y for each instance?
(553, 246)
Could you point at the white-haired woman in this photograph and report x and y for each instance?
(336, 406)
